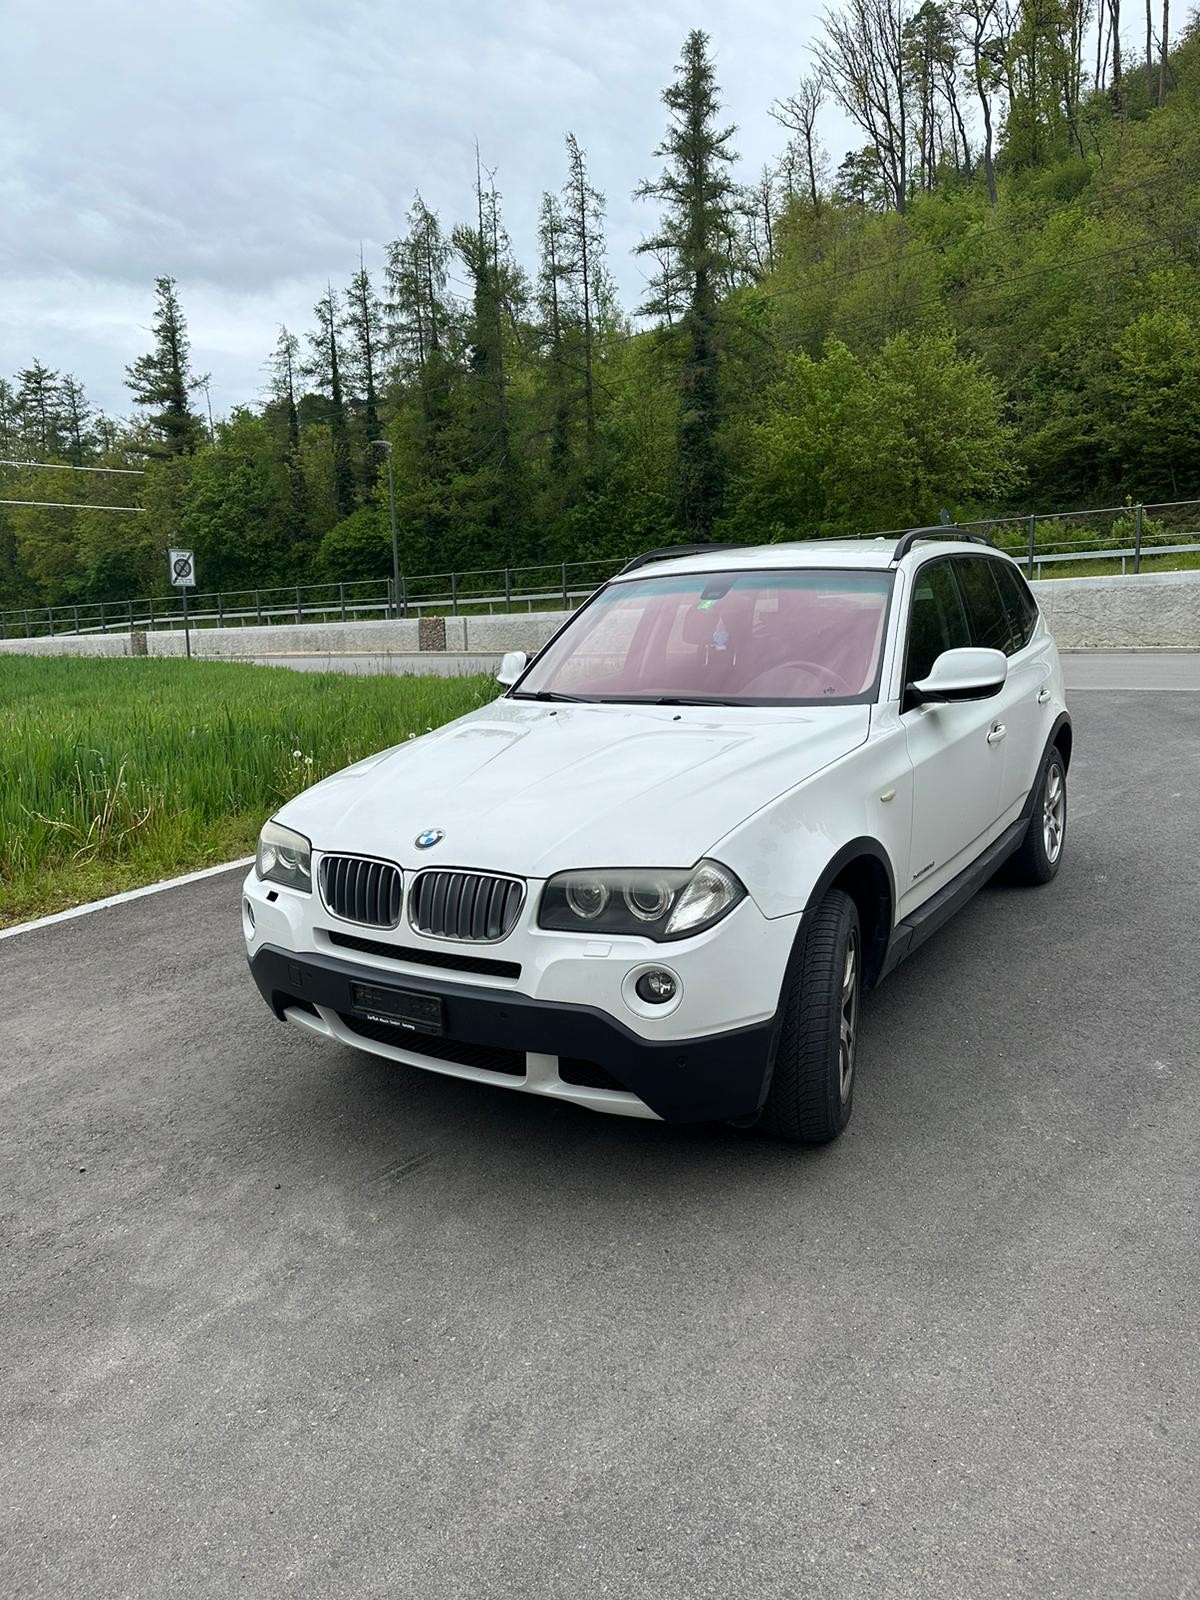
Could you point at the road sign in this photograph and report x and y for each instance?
(183, 568)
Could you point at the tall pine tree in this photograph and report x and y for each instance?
(498, 294)
(161, 381)
(553, 270)
(76, 420)
(698, 193)
(583, 217)
(363, 321)
(285, 364)
(39, 404)
(325, 368)
(417, 314)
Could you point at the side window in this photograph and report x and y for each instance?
(1022, 606)
(937, 621)
(987, 613)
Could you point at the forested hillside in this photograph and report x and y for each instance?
(993, 304)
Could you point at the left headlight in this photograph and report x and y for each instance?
(284, 856)
(672, 903)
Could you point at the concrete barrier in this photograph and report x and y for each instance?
(494, 635)
(69, 644)
(1153, 609)
(314, 638)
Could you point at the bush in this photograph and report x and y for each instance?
(360, 546)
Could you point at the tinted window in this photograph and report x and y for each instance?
(991, 627)
(937, 619)
(1022, 607)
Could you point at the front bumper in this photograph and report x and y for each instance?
(716, 1077)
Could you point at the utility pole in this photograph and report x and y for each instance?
(386, 444)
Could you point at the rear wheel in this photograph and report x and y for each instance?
(812, 1087)
(1041, 849)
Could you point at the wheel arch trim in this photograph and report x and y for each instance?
(863, 848)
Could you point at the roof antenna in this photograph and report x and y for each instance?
(945, 518)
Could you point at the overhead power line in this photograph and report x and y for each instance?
(65, 466)
(68, 505)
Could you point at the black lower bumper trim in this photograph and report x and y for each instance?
(691, 1080)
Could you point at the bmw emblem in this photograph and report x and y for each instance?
(431, 836)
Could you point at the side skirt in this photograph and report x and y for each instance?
(925, 921)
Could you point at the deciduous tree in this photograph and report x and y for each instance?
(798, 113)
(862, 56)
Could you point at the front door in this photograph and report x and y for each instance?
(956, 753)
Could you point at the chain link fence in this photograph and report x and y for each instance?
(1129, 538)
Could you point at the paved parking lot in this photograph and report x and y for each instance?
(283, 1320)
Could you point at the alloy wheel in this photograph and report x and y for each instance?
(848, 1019)
(1054, 811)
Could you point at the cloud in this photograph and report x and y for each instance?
(248, 148)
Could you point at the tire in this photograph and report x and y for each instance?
(1038, 859)
(812, 1086)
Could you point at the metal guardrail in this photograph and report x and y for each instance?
(1132, 555)
(487, 590)
(1125, 534)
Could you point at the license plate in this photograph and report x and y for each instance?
(400, 1008)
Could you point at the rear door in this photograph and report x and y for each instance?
(957, 768)
(1030, 669)
(997, 618)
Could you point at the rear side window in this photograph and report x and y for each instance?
(1022, 607)
(937, 622)
(988, 617)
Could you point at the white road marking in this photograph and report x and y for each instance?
(122, 899)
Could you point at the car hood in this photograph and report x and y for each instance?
(533, 789)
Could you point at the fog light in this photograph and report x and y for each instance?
(656, 987)
(248, 914)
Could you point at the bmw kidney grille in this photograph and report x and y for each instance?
(360, 890)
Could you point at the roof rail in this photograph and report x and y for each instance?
(942, 531)
(669, 552)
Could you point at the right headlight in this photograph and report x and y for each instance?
(661, 904)
(285, 857)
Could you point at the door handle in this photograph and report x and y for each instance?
(997, 733)
(1043, 696)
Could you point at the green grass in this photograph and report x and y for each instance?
(1183, 561)
(116, 773)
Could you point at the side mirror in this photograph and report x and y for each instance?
(512, 666)
(966, 674)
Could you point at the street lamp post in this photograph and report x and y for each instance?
(386, 444)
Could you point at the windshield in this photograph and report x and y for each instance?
(809, 637)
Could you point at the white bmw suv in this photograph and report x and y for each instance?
(655, 875)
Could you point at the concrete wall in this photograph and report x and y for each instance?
(85, 644)
(316, 638)
(1153, 609)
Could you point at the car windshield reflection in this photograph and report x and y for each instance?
(722, 638)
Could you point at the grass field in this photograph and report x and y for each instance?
(117, 773)
(1182, 561)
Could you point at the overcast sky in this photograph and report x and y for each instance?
(247, 147)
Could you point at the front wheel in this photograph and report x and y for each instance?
(1041, 849)
(812, 1086)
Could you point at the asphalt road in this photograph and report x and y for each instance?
(279, 1319)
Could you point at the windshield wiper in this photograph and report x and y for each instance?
(547, 694)
(682, 700)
